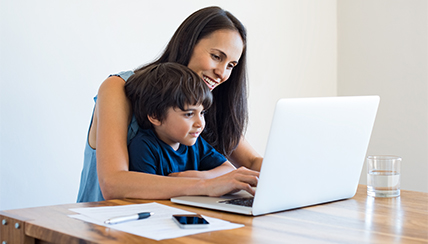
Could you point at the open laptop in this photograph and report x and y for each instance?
(315, 153)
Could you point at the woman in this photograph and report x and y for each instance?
(211, 42)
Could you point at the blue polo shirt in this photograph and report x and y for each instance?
(149, 154)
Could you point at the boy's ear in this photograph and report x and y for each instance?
(154, 121)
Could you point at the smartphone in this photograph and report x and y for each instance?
(186, 221)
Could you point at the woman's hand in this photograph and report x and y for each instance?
(236, 180)
(233, 181)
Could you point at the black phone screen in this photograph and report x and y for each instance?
(190, 219)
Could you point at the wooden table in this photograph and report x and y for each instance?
(361, 219)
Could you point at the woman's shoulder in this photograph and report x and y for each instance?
(117, 79)
(123, 74)
(115, 83)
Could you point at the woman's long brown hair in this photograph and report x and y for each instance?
(227, 119)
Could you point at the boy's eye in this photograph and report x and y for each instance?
(188, 114)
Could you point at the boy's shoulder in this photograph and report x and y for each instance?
(146, 132)
(145, 136)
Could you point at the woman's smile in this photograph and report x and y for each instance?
(211, 83)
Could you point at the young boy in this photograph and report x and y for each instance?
(169, 101)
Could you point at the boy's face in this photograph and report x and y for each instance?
(181, 126)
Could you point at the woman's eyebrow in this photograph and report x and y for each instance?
(222, 53)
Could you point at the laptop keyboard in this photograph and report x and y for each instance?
(246, 201)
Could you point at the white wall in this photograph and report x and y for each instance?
(383, 49)
(55, 54)
(293, 54)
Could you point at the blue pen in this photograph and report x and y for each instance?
(121, 219)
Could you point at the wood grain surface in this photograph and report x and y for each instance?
(361, 219)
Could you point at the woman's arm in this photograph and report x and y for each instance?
(111, 119)
(225, 168)
(245, 155)
(112, 116)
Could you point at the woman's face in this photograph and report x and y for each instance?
(215, 56)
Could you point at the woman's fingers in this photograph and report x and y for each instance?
(239, 179)
(247, 176)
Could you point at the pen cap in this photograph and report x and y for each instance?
(144, 215)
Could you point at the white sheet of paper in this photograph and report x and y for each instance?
(158, 226)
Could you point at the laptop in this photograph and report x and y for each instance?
(314, 154)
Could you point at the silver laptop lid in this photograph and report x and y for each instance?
(315, 151)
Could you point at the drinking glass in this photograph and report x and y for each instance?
(383, 176)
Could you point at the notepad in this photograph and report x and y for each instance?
(158, 227)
